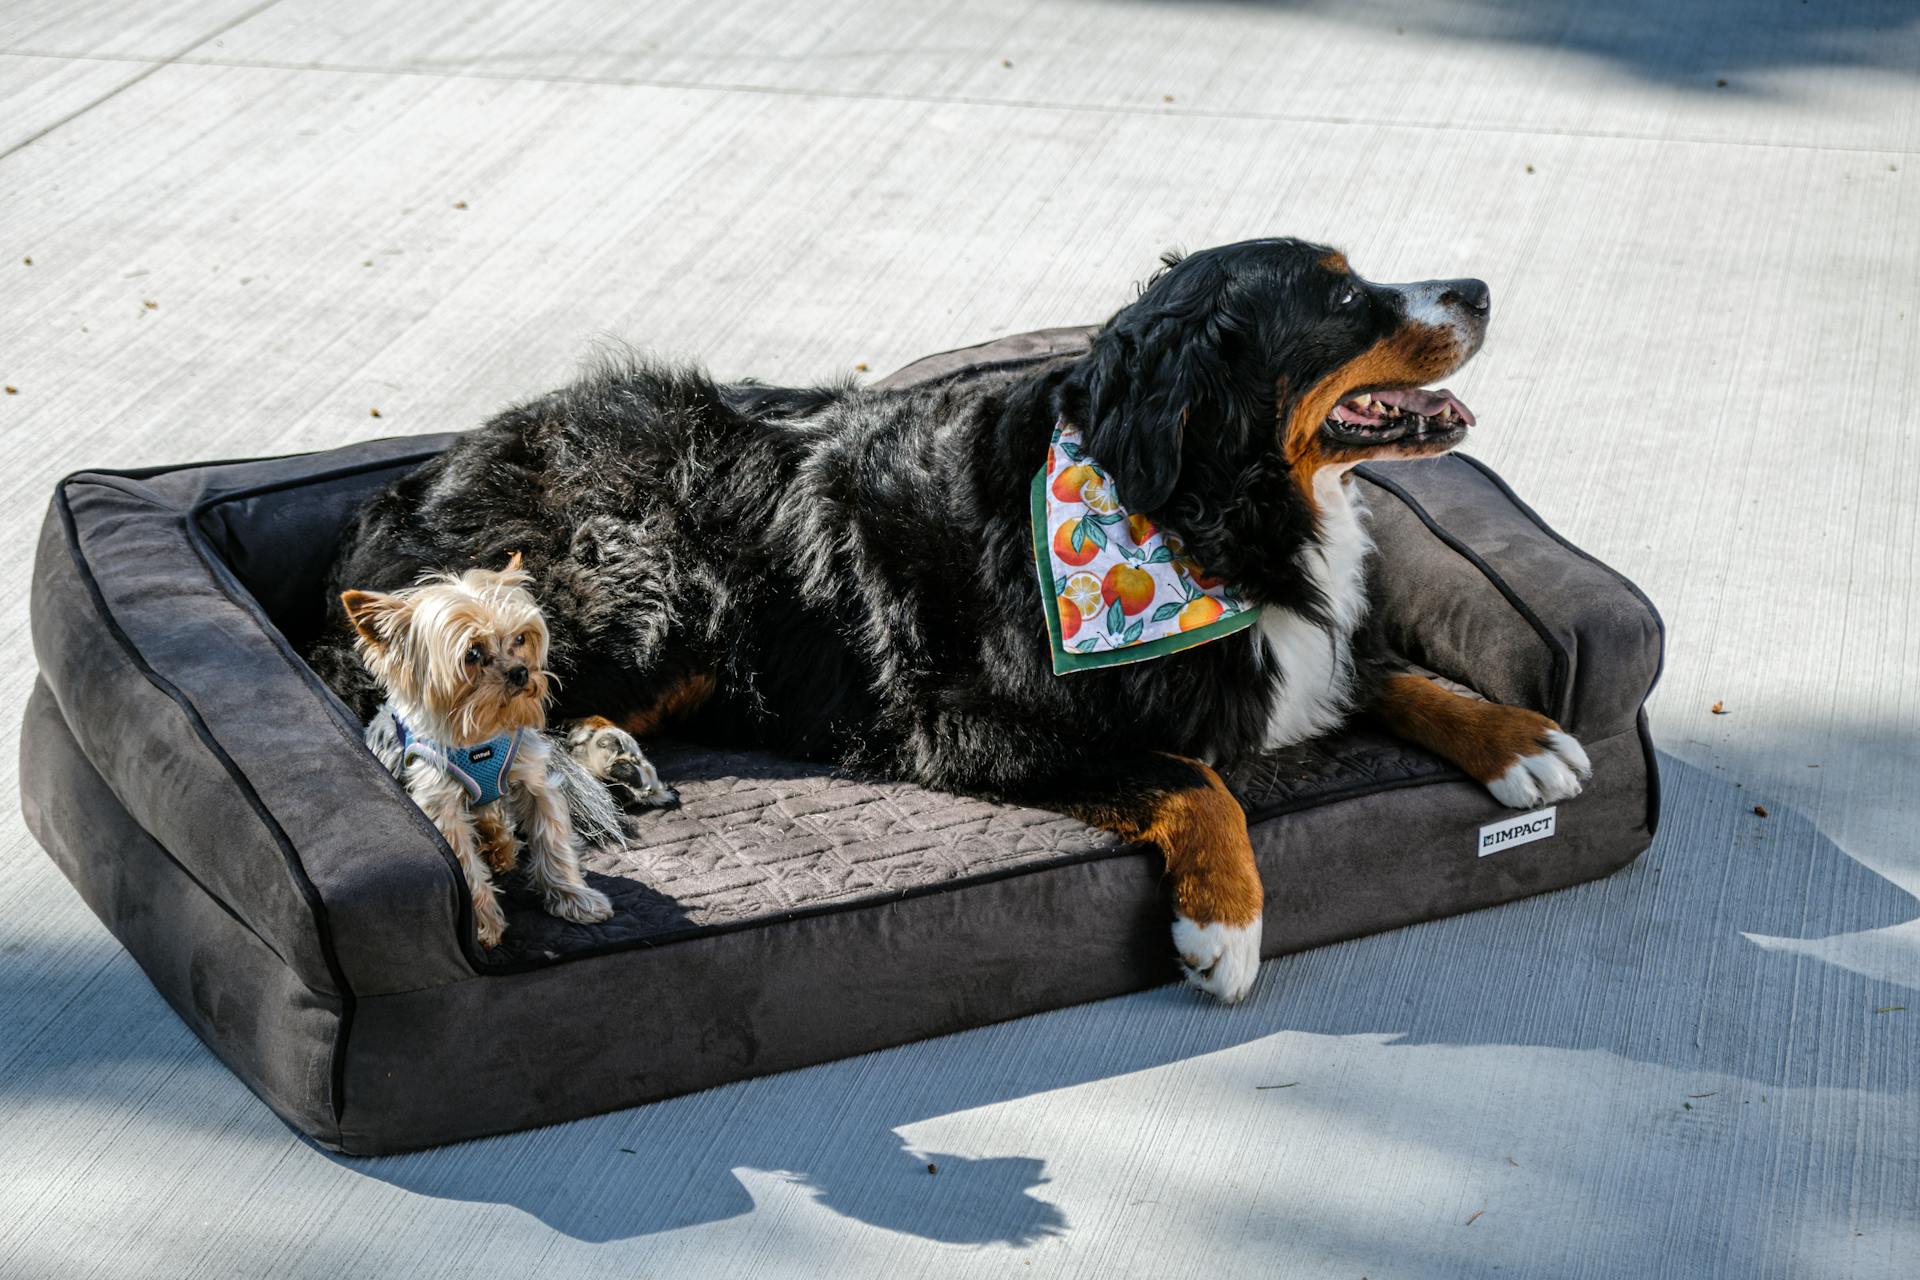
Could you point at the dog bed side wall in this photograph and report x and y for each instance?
(646, 1023)
(242, 999)
(1340, 871)
(509, 1051)
(220, 743)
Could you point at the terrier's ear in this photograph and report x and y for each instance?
(513, 563)
(514, 575)
(376, 616)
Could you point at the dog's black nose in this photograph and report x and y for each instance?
(1471, 294)
(517, 677)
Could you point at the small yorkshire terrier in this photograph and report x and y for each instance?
(459, 657)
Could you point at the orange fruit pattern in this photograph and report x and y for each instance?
(1121, 579)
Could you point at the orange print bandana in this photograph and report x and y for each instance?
(1117, 588)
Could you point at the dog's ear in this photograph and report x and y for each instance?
(376, 616)
(1157, 371)
(515, 575)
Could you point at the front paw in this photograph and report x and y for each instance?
(489, 921)
(1220, 959)
(503, 855)
(579, 903)
(1553, 771)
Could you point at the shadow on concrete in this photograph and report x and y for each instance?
(1653, 964)
(1692, 45)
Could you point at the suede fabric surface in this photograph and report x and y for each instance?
(214, 734)
(245, 1001)
(1516, 612)
(184, 770)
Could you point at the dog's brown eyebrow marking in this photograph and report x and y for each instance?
(1336, 262)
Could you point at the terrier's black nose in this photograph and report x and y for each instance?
(1471, 294)
(517, 677)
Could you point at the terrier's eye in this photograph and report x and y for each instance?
(521, 638)
(473, 654)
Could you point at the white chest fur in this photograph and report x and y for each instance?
(1315, 660)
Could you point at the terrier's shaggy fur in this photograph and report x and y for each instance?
(460, 658)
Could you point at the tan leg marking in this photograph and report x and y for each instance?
(1522, 757)
(497, 841)
(1483, 738)
(1201, 832)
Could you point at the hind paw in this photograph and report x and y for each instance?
(613, 755)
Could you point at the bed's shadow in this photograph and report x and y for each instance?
(1651, 939)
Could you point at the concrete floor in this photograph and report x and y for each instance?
(251, 224)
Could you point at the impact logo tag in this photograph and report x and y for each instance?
(1524, 828)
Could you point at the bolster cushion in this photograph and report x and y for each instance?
(1476, 587)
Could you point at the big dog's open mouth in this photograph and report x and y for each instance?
(1404, 416)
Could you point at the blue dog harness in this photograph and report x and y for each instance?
(480, 769)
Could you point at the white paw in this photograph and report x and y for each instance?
(1220, 959)
(1545, 776)
(578, 903)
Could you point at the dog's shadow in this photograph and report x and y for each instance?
(1622, 970)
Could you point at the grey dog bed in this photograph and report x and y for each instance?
(212, 803)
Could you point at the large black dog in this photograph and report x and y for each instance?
(849, 574)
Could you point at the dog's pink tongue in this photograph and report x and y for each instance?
(1428, 404)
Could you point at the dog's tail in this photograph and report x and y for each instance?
(597, 818)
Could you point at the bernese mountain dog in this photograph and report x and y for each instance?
(847, 574)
